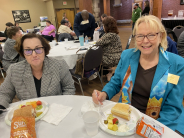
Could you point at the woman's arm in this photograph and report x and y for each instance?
(51, 31)
(172, 107)
(7, 90)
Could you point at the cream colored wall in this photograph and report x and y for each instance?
(51, 11)
(58, 4)
(36, 9)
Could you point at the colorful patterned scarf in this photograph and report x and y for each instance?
(156, 95)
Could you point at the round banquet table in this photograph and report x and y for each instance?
(72, 125)
(67, 51)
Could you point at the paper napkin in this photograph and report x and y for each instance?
(56, 113)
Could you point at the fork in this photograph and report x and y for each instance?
(100, 107)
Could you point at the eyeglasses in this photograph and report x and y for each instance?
(150, 37)
(29, 52)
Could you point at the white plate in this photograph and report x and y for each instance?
(9, 115)
(134, 117)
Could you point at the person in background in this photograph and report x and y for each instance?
(49, 31)
(111, 45)
(103, 16)
(150, 78)
(11, 56)
(4, 36)
(65, 29)
(69, 24)
(64, 16)
(100, 29)
(84, 23)
(146, 9)
(180, 44)
(171, 46)
(136, 14)
(17, 24)
(36, 76)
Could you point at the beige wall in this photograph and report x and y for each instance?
(58, 4)
(36, 9)
(51, 12)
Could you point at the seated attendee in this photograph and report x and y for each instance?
(84, 24)
(69, 24)
(171, 46)
(65, 29)
(180, 44)
(100, 29)
(111, 45)
(17, 24)
(4, 36)
(36, 76)
(11, 56)
(49, 31)
(150, 78)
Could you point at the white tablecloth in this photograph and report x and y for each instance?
(60, 52)
(72, 125)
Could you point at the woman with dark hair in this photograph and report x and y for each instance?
(17, 24)
(111, 44)
(4, 36)
(10, 54)
(49, 31)
(146, 9)
(36, 76)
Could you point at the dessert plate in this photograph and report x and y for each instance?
(127, 127)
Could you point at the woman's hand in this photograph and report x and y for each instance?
(49, 33)
(98, 96)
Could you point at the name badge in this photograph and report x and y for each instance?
(173, 79)
(85, 22)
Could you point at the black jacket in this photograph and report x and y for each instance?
(146, 11)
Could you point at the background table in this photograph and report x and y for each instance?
(60, 52)
(172, 22)
(72, 125)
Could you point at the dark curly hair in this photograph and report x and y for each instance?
(9, 24)
(110, 25)
(19, 44)
(12, 31)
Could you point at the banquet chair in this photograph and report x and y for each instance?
(178, 30)
(1, 65)
(114, 68)
(62, 36)
(91, 63)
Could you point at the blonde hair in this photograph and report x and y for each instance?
(155, 24)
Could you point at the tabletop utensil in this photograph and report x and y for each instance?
(100, 107)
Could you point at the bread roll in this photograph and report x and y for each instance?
(121, 110)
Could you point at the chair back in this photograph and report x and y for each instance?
(178, 30)
(1, 57)
(62, 36)
(1, 54)
(171, 34)
(93, 58)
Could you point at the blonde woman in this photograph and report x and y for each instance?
(157, 75)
